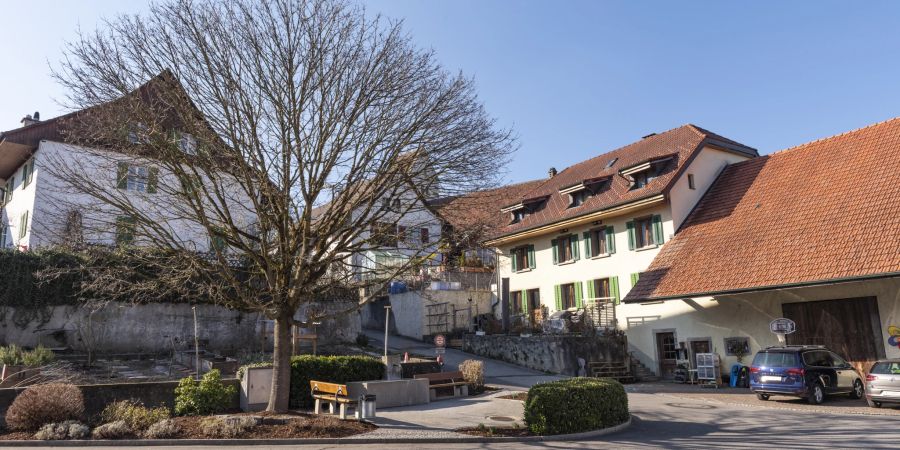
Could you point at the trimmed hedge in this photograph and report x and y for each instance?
(575, 405)
(333, 369)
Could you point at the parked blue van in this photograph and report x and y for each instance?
(807, 371)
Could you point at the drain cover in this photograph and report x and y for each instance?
(502, 418)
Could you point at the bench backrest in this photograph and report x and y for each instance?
(440, 376)
(322, 387)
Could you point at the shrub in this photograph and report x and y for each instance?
(43, 404)
(575, 405)
(333, 369)
(11, 355)
(163, 429)
(473, 372)
(70, 429)
(135, 415)
(362, 340)
(207, 397)
(112, 430)
(228, 427)
(40, 356)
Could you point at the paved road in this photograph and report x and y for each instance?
(662, 421)
(497, 373)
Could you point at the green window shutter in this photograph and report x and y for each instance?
(525, 302)
(573, 240)
(531, 262)
(630, 226)
(23, 224)
(124, 230)
(10, 187)
(591, 293)
(578, 294)
(515, 264)
(152, 180)
(558, 292)
(657, 229)
(555, 252)
(587, 244)
(610, 240)
(614, 288)
(634, 278)
(25, 177)
(122, 176)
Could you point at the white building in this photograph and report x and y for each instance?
(587, 233)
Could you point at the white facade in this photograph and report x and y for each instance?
(48, 200)
(625, 264)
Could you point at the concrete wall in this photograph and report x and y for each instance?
(408, 310)
(547, 353)
(155, 328)
(748, 315)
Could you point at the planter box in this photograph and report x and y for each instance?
(256, 388)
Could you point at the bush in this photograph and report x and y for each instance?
(575, 405)
(210, 396)
(11, 355)
(112, 430)
(228, 427)
(70, 429)
(14, 355)
(43, 404)
(137, 416)
(333, 369)
(163, 429)
(473, 372)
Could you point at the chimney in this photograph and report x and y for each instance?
(31, 120)
(552, 172)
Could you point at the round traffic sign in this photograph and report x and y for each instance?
(440, 340)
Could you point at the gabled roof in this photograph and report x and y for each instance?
(824, 211)
(679, 143)
(479, 212)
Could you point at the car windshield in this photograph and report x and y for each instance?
(886, 368)
(775, 359)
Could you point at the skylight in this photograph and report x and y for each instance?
(611, 162)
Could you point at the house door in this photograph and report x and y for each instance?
(699, 347)
(665, 351)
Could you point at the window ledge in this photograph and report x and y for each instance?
(523, 270)
(565, 263)
(648, 247)
(605, 255)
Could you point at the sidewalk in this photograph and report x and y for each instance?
(496, 373)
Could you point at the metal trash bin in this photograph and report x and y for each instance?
(365, 409)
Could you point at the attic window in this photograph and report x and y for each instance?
(521, 210)
(579, 197)
(642, 174)
(611, 162)
(519, 215)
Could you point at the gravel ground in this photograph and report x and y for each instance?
(840, 404)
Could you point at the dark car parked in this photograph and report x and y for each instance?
(810, 372)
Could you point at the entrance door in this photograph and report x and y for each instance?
(665, 351)
(850, 327)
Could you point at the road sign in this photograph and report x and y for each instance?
(782, 326)
(440, 341)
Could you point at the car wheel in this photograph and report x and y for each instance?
(858, 390)
(816, 394)
(762, 397)
(873, 404)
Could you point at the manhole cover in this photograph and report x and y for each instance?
(502, 418)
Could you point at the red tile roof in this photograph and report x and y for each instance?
(680, 143)
(823, 211)
(479, 212)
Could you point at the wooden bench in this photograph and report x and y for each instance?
(332, 394)
(440, 380)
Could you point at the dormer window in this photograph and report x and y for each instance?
(642, 174)
(521, 210)
(579, 197)
(581, 192)
(641, 179)
(519, 215)
(186, 143)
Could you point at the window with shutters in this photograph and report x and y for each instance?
(125, 230)
(186, 142)
(643, 232)
(567, 295)
(598, 242)
(522, 258)
(137, 179)
(601, 288)
(565, 249)
(10, 187)
(423, 235)
(27, 173)
(534, 299)
(515, 302)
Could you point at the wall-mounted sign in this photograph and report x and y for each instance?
(782, 326)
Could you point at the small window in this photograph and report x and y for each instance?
(138, 179)
(125, 228)
(611, 162)
(643, 232)
(641, 179)
(519, 215)
(186, 143)
(579, 197)
(564, 249)
(515, 302)
(567, 295)
(217, 242)
(27, 172)
(691, 182)
(3, 231)
(10, 187)
(423, 235)
(384, 235)
(23, 225)
(598, 242)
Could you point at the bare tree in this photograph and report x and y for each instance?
(295, 135)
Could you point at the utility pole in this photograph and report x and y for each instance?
(196, 343)
(387, 325)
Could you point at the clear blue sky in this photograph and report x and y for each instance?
(576, 79)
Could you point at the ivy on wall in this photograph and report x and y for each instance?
(31, 296)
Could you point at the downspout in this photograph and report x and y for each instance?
(496, 301)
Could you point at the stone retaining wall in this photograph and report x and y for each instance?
(547, 353)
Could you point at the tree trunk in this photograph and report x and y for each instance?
(281, 367)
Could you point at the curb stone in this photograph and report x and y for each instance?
(329, 441)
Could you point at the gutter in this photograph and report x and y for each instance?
(764, 288)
